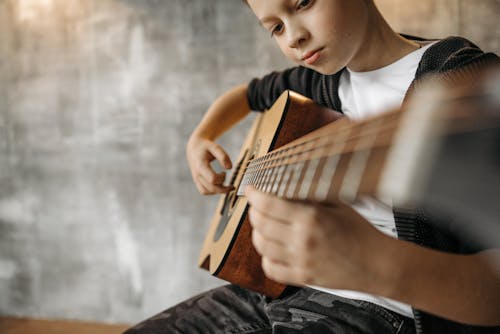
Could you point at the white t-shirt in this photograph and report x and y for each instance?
(365, 94)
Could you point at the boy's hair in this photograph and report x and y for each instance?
(246, 2)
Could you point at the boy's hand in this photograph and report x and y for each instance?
(304, 243)
(200, 153)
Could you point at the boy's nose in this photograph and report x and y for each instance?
(296, 37)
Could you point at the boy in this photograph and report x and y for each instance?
(365, 280)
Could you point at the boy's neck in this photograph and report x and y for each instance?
(382, 46)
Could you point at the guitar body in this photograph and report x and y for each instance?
(228, 252)
(409, 156)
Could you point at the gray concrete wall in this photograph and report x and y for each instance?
(474, 19)
(99, 219)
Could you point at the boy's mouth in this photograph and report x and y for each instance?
(312, 56)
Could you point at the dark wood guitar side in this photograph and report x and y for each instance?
(227, 251)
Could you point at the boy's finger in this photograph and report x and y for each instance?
(221, 156)
(201, 189)
(269, 248)
(278, 271)
(213, 188)
(272, 206)
(210, 175)
(272, 229)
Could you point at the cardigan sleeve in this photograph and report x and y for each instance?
(452, 53)
(262, 92)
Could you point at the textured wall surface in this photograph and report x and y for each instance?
(98, 216)
(99, 219)
(476, 20)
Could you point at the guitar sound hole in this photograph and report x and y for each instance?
(230, 200)
(225, 214)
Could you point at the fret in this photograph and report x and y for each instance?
(265, 176)
(279, 178)
(349, 146)
(250, 175)
(354, 172)
(325, 178)
(371, 176)
(308, 178)
(264, 173)
(357, 165)
(308, 149)
(272, 177)
(257, 172)
(253, 178)
(279, 173)
(274, 174)
(294, 181)
(321, 156)
(291, 158)
(376, 160)
(269, 174)
(286, 181)
(315, 182)
(260, 176)
(286, 173)
(250, 179)
(300, 181)
(338, 176)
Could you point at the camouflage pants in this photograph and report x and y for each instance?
(231, 309)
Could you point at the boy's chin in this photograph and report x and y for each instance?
(323, 69)
(327, 72)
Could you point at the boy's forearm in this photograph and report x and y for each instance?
(463, 288)
(225, 112)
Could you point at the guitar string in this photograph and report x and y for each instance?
(305, 154)
(387, 126)
(292, 159)
(256, 164)
(272, 159)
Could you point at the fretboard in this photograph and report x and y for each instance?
(326, 165)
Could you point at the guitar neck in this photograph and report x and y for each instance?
(327, 164)
(384, 157)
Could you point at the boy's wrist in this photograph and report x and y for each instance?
(399, 270)
(389, 268)
(198, 135)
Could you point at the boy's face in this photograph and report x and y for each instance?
(324, 35)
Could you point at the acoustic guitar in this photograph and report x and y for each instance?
(300, 150)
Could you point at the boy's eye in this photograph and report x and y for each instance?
(303, 3)
(276, 29)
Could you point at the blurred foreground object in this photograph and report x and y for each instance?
(449, 151)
